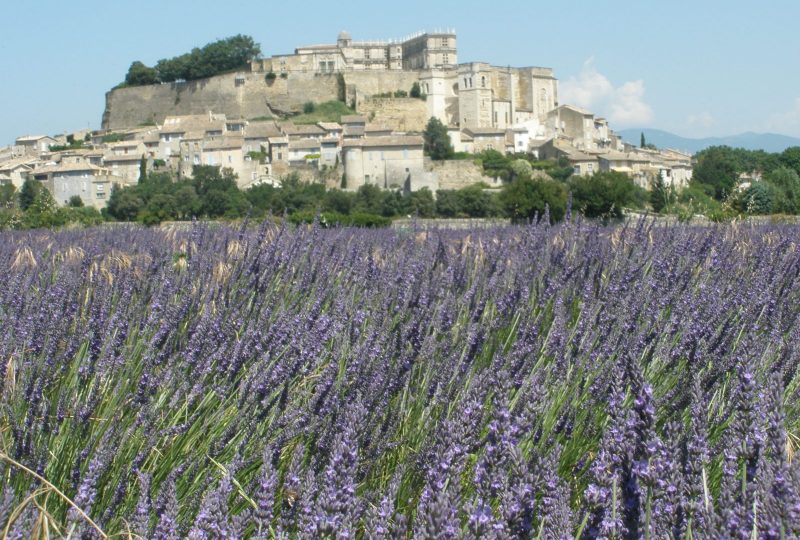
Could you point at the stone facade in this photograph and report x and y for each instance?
(386, 162)
(419, 52)
(399, 114)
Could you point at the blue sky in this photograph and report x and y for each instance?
(695, 68)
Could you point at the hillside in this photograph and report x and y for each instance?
(770, 142)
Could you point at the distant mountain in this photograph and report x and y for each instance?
(771, 142)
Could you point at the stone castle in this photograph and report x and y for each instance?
(471, 95)
(239, 121)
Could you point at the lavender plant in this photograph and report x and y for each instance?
(572, 381)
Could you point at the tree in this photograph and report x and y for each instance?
(30, 189)
(791, 158)
(420, 203)
(75, 202)
(787, 185)
(8, 196)
(642, 142)
(448, 203)
(717, 169)
(416, 92)
(757, 199)
(521, 167)
(474, 201)
(660, 194)
(602, 195)
(143, 169)
(525, 198)
(369, 199)
(139, 74)
(124, 204)
(437, 141)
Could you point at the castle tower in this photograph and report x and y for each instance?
(344, 40)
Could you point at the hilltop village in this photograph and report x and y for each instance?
(345, 114)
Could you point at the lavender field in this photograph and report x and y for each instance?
(519, 382)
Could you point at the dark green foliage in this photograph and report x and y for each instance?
(71, 145)
(602, 195)
(496, 164)
(757, 199)
(140, 74)
(660, 195)
(8, 196)
(124, 203)
(143, 169)
(27, 194)
(75, 202)
(717, 169)
(416, 92)
(420, 203)
(437, 141)
(471, 201)
(525, 199)
(786, 182)
(334, 219)
(112, 137)
(791, 158)
(214, 58)
(269, 77)
(308, 107)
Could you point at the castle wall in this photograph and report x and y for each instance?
(363, 84)
(240, 95)
(400, 114)
(456, 174)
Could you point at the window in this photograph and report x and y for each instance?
(230, 158)
(589, 167)
(100, 187)
(366, 54)
(197, 159)
(366, 179)
(101, 195)
(576, 170)
(405, 154)
(483, 82)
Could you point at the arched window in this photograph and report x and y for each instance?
(483, 82)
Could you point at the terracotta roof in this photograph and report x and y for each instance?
(304, 144)
(302, 130)
(353, 131)
(224, 143)
(485, 132)
(393, 140)
(261, 130)
(353, 119)
(32, 138)
(124, 157)
(330, 126)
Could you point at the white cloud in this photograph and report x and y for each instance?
(703, 120)
(624, 106)
(786, 122)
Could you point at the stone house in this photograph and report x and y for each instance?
(76, 176)
(124, 159)
(303, 151)
(278, 149)
(35, 145)
(15, 171)
(487, 138)
(387, 162)
(583, 164)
